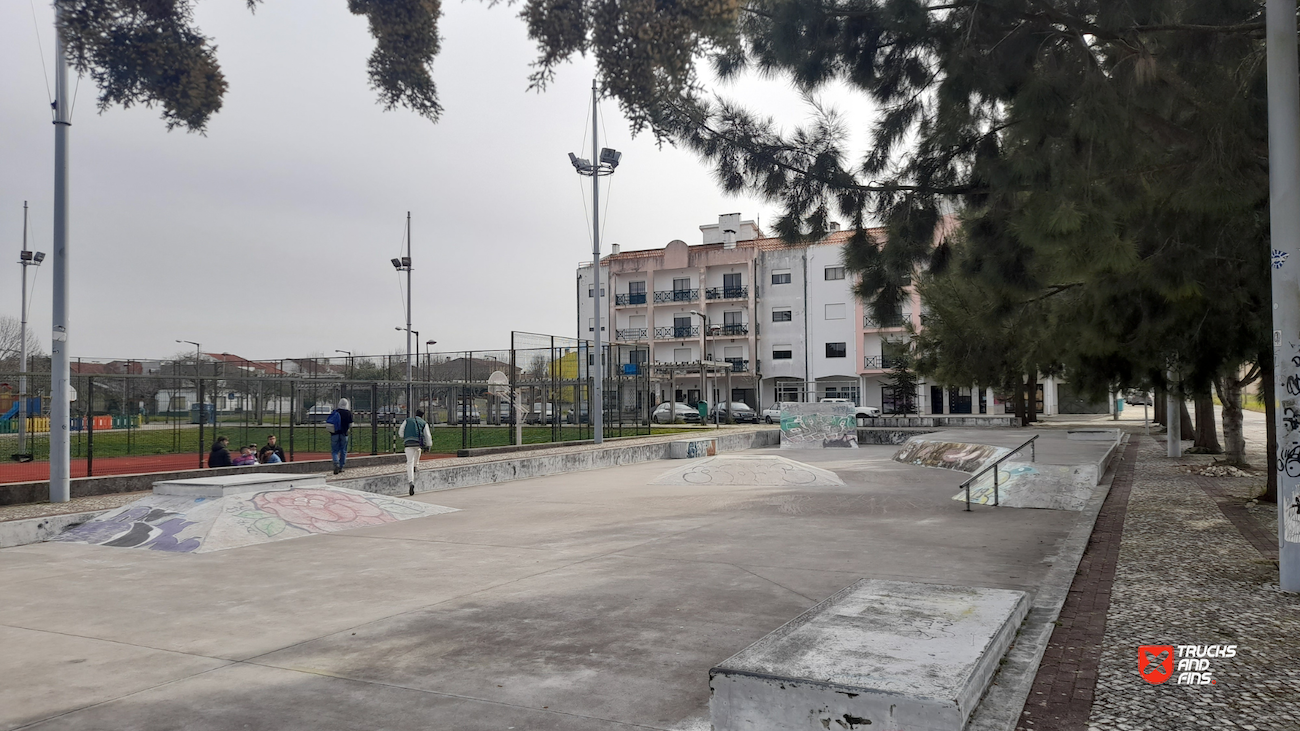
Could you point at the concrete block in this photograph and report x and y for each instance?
(692, 448)
(878, 654)
(34, 530)
(223, 485)
(1093, 435)
(818, 426)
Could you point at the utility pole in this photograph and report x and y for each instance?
(1284, 214)
(60, 391)
(26, 259)
(410, 386)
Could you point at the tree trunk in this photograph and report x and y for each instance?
(1186, 430)
(1018, 401)
(1031, 397)
(1161, 417)
(1207, 433)
(1234, 438)
(1266, 386)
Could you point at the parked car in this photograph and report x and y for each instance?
(577, 416)
(1138, 398)
(470, 413)
(318, 414)
(862, 412)
(740, 412)
(662, 413)
(772, 414)
(541, 414)
(390, 414)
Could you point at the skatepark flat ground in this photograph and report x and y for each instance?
(590, 600)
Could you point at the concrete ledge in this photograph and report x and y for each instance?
(892, 422)
(225, 485)
(17, 493)
(884, 654)
(34, 530)
(542, 465)
(878, 435)
(515, 448)
(692, 448)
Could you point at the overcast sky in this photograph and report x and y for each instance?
(271, 236)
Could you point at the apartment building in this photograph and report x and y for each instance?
(784, 316)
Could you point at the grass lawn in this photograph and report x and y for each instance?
(184, 439)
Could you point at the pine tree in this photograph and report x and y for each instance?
(903, 382)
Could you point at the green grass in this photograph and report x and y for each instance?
(184, 439)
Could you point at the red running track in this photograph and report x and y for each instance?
(136, 465)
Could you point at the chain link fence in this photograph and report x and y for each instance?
(142, 416)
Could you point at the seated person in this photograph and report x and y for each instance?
(270, 457)
(246, 457)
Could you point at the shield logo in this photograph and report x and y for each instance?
(1156, 663)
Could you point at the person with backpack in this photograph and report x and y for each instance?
(337, 424)
(415, 438)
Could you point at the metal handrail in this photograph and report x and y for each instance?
(1033, 457)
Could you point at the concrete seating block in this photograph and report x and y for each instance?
(692, 448)
(235, 484)
(878, 654)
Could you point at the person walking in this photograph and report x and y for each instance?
(337, 424)
(220, 455)
(415, 438)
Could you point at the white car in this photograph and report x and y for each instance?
(662, 415)
(862, 412)
(772, 414)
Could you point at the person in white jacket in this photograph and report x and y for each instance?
(415, 436)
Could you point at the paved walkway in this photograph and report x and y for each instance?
(1194, 566)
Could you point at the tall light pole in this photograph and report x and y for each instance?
(704, 342)
(404, 265)
(606, 162)
(1284, 215)
(198, 390)
(348, 353)
(60, 378)
(26, 259)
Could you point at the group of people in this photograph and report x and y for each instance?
(413, 431)
(269, 453)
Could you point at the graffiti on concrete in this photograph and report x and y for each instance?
(949, 455)
(182, 524)
(818, 426)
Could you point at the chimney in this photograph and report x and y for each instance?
(613, 249)
(835, 226)
(728, 239)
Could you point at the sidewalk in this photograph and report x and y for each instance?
(1191, 566)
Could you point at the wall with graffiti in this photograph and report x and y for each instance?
(179, 524)
(818, 426)
(949, 455)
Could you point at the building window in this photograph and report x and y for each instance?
(681, 285)
(732, 318)
(780, 277)
(591, 291)
(636, 293)
(681, 355)
(834, 273)
(782, 352)
(836, 311)
(782, 316)
(731, 281)
(837, 350)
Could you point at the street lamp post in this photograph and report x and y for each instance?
(428, 376)
(604, 164)
(704, 342)
(410, 387)
(403, 264)
(26, 259)
(348, 353)
(198, 385)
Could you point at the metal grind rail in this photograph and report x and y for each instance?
(1033, 457)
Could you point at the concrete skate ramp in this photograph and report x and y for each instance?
(961, 456)
(216, 517)
(1035, 485)
(755, 471)
(879, 654)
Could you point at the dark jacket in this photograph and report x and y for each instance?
(219, 457)
(279, 452)
(344, 421)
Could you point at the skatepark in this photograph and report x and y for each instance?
(592, 599)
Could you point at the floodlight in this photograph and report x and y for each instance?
(397, 263)
(40, 257)
(406, 261)
(610, 157)
(581, 164)
(25, 256)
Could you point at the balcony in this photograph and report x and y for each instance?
(879, 362)
(738, 365)
(728, 331)
(677, 295)
(630, 333)
(898, 319)
(669, 333)
(629, 298)
(726, 293)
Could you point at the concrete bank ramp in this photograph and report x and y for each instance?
(213, 514)
(877, 655)
(961, 456)
(1036, 485)
(757, 471)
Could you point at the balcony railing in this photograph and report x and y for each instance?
(677, 295)
(630, 298)
(879, 362)
(630, 333)
(666, 333)
(728, 330)
(738, 365)
(726, 293)
(899, 319)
